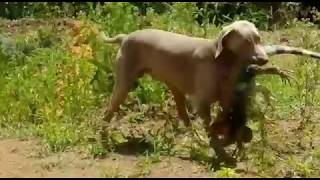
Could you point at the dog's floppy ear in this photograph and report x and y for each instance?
(228, 40)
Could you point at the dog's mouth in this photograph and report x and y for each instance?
(259, 60)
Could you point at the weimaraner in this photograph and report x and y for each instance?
(202, 69)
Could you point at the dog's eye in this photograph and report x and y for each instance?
(248, 40)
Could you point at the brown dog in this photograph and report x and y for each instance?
(200, 68)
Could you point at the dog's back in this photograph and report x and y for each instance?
(166, 41)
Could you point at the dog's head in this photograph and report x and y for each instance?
(243, 40)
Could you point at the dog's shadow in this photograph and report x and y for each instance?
(214, 163)
(134, 146)
(137, 146)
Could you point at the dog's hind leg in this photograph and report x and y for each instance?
(126, 74)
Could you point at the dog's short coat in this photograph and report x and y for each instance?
(201, 68)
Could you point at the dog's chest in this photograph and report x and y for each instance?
(225, 76)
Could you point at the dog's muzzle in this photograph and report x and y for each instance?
(259, 60)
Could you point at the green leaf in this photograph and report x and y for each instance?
(118, 138)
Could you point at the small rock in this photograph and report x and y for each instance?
(14, 150)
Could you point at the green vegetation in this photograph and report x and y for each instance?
(56, 78)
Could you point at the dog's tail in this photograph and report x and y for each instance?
(280, 49)
(117, 39)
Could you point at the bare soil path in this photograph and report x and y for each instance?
(23, 159)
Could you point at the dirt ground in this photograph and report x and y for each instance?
(22, 159)
(27, 158)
